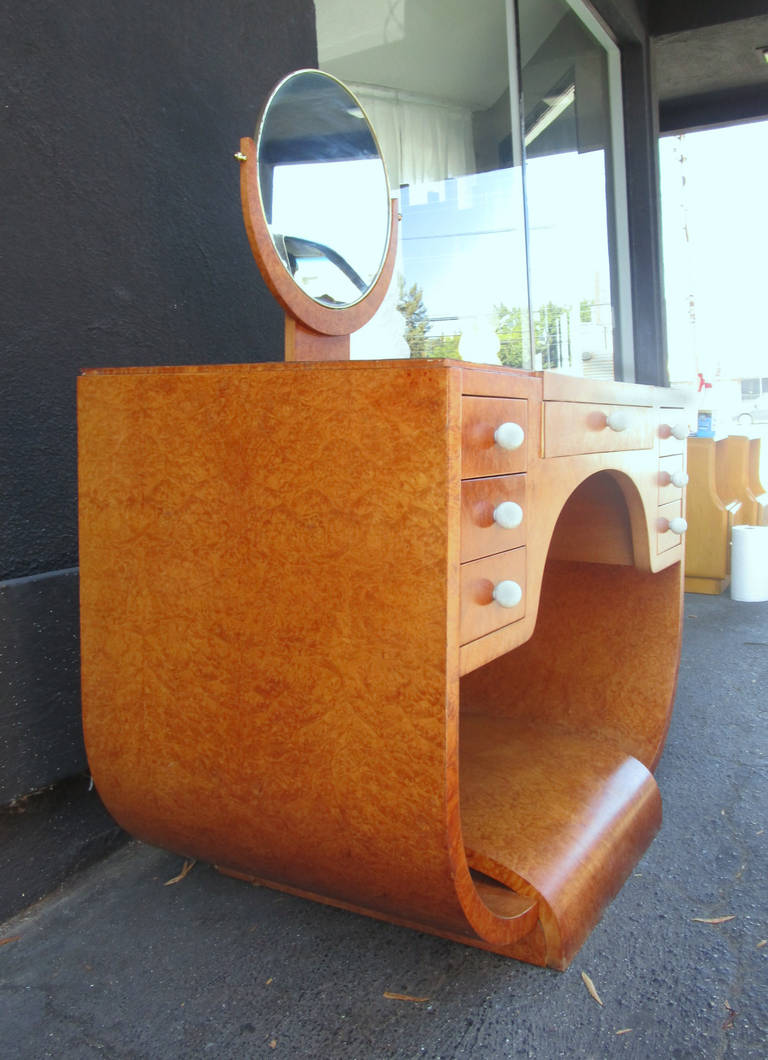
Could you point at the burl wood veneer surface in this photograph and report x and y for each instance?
(566, 826)
(265, 598)
(603, 659)
(270, 615)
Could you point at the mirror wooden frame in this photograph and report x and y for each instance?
(313, 332)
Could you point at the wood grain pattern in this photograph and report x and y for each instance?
(571, 428)
(557, 387)
(594, 525)
(272, 609)
(480, 455)
(602, 660)
(479, 612)
(248, 645)
(480, 535)
(732, 478)
(551, 482)
(755, 485)
(303, 344)
(707, 555)
(570, 825)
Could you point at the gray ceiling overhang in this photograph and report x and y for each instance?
(708, 63)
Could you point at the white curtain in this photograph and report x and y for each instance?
(422, 140)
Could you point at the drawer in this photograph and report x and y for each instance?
(483, 450)
(667, 539)
(480, 613)
(481, 534)
(669, 467)
(673, 431)
(572, 427)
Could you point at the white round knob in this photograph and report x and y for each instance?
(679, 431)
(679, 479)
(507, 593)
(509, 435)
(508, 515)
(617, 421)
(678, 525)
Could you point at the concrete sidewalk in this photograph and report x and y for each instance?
(116, 964)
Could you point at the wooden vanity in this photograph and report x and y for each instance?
(400, 636)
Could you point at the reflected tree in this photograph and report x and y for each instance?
(411, 305)
(550, 332)
(508, 325)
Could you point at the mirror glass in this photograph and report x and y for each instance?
(323, 187)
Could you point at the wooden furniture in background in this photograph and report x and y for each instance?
(755, 485)
(724, 491)
(710, 521)
(399, 636)
(732, 478)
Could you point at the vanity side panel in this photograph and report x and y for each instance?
(268, 564)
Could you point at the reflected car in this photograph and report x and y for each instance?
(755, 414)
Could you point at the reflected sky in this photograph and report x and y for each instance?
(715, 231)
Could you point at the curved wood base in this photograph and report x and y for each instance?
(557, 740)
(561, 820)
(271, 656)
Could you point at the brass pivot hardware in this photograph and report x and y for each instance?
(241, 157)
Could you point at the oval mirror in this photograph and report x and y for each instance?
(323, 188)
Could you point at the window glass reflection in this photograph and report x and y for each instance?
(323, 188)
(434, 81)
(566, 116)
(507, 243)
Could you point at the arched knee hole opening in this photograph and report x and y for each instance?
(594, 525)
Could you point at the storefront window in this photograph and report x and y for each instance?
(496, 122)
(574, 183)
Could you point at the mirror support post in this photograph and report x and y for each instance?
(302, 344)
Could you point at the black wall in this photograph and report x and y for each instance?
(122, 244)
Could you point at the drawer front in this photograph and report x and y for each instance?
(481, 453)
(668, 466)
(480, 612)
(672, 420)
(481, 534)
(573, 427)
(666, 539)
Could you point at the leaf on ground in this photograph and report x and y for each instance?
(732, 1014)
(11, 938)
(188, 865)
(404, 997)
(273, 1044)
(625, 1030)
(713, 919)
(591, 988)
(761, 943)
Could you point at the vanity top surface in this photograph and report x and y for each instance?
(556, 386)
